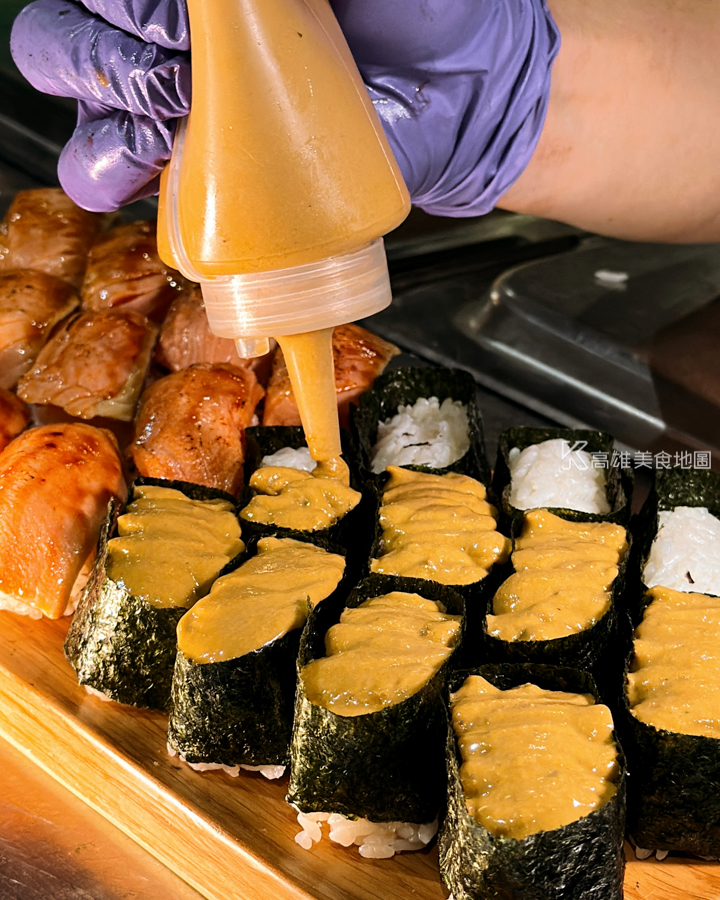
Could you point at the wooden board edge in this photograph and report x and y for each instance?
(202, 854)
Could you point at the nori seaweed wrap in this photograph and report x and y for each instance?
(619, 482)
(384, 766)
(239, 711)
(583, 860)
(351, 533)
(674, 792)
(598, 649)
(121, 645)
(403, 387)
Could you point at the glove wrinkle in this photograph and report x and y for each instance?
(84, 58)
(162, 22)
(114, 157)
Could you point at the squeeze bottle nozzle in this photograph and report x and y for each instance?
(281, 182)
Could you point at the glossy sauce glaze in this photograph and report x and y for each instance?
(265, 598)
(532, 760)
(674, 678)
(438, 527)
(302, 501)
(124, 269)
(190, 425)
(44, 230)
(55, 486)
(563, 578)
(380, 653)
(14, 417)
(170, 548)
(93, 365)
(31, 305)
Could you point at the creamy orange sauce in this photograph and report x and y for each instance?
(674, 682)
(438, 527)
(264, 599)
(170, 548)
(303, 501)
(380, 653)
(563, 577)
(532, 760)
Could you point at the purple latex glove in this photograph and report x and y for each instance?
(461, 87)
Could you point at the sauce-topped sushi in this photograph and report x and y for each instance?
(367, 738)
(171, 545)
(235, 674)
(535, 788)
(438, 527)
(564, 572)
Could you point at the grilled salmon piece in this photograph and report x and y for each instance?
(94, 365)
(191, 425)
(31, 304)
(359, 357)
(44, 230)
(55, 486)
(186, 339)
(124, 269)
(14, 417)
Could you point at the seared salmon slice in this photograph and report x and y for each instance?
(55, 486)
(186, 339)
(191, 425)
(359, 357)
(14, 416)
(44, 230)
(124, 269)
(31, 304)
(94, 365)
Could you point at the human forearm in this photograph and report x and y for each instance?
(631, 142)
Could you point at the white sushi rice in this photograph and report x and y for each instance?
(552, 474)
(685, 555)
(291, 458)
(94, 692)
(375, 840)
(269, 772)
(428, 433)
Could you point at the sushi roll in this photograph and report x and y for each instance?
(535, 789)
(234, 684)
(570, 472)
(290, 496)
(366, 753)
(173, 540)
(55, 486)
(672, 682)
(560, 605)
(426, 418)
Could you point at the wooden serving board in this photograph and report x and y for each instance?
(228, 838)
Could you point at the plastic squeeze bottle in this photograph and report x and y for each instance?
(279, 190)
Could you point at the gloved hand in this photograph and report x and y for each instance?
(461, 87)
